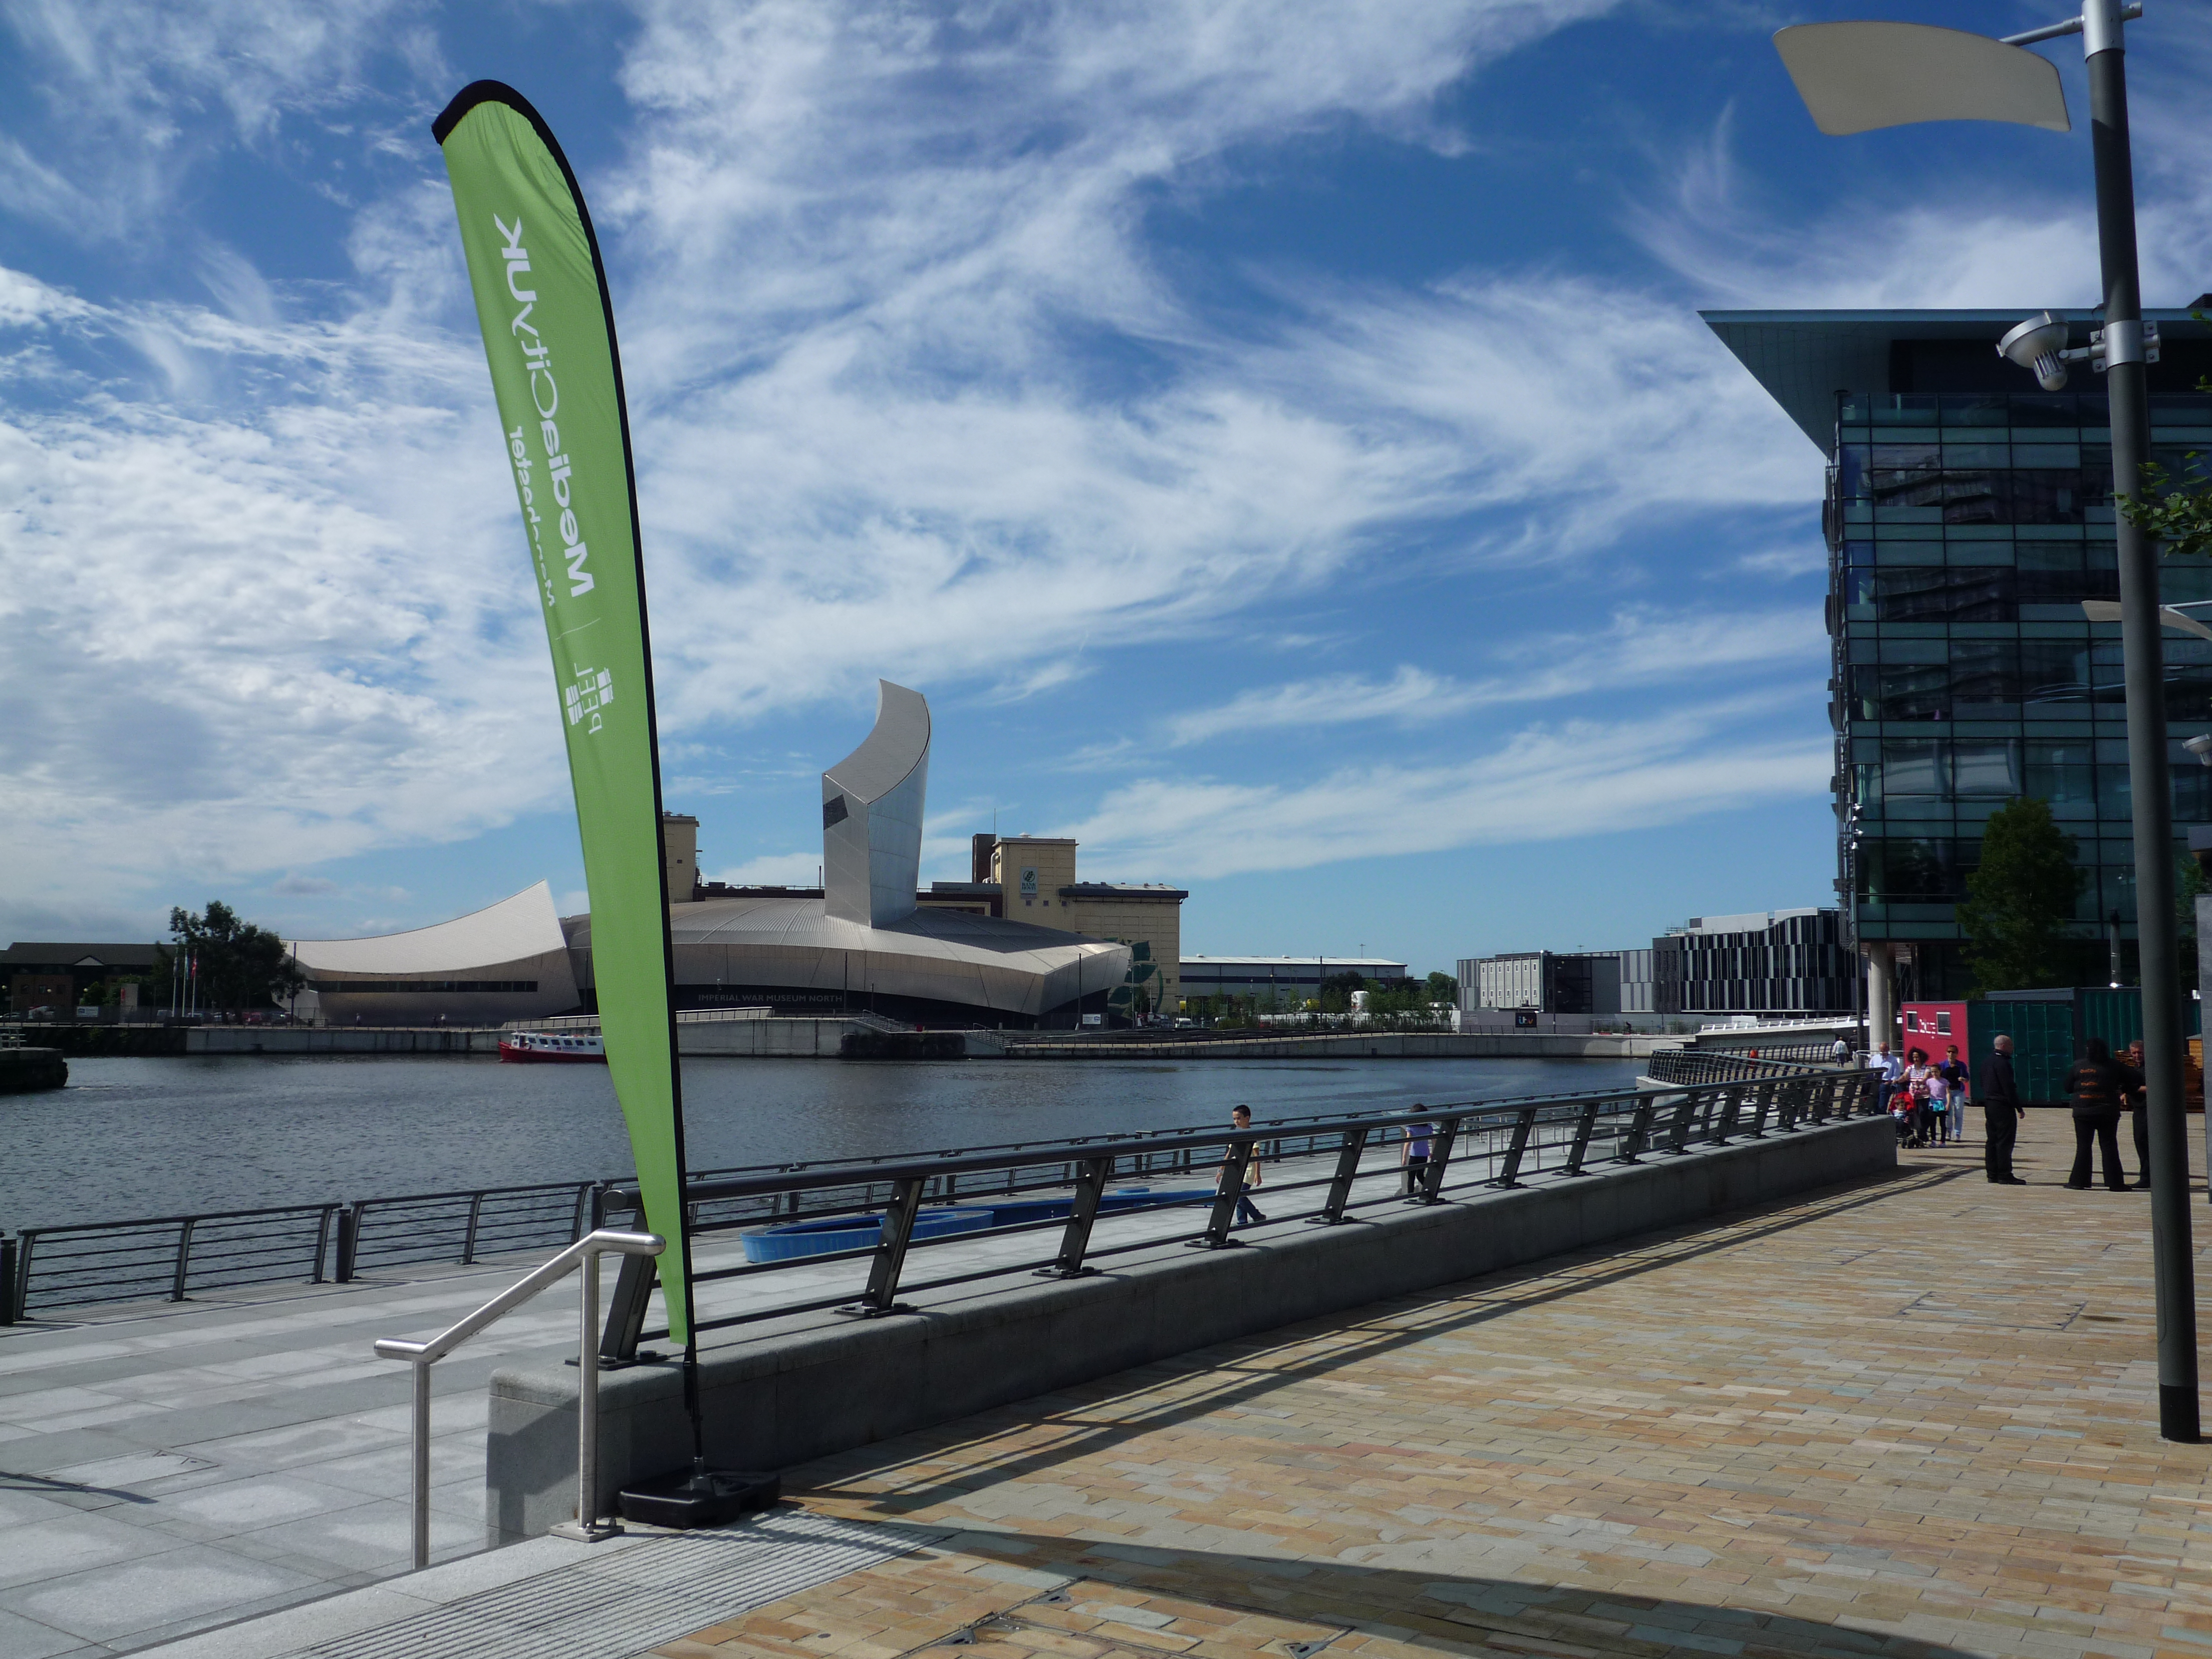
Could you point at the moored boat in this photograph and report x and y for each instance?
(556, 1048)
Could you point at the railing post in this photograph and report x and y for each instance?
(1440, 1151)
(1678, 1132)
(1825, 1097)
(468, 1245)
(322, 1241)
(421, 1514)
(1639, 1130)
(626, 1307)
(6, 1281)
(1524, 1121)
(1340, 1187)
(587, 1401)
(20, 1287)
(1791, 1098)
(881, 1296)
(1729, 1100)
(576, 1228)
(350, 1239)
(183, 1261)
(1089, 1186)
(1765, 1093)
(1585, 1129)
(1218, 1221)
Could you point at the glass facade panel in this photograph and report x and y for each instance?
(1965, 530)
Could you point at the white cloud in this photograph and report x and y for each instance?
(1970, 237)
(285, 630)
(1547, 783)
(801, 869)
(1640, 647)
(131, 89)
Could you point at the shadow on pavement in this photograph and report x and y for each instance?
(1425, 1607)
(1096, 1417)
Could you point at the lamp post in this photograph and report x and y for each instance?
(1857, 76)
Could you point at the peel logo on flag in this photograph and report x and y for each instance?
(591, 693)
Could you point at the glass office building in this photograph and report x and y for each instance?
(1967, 516)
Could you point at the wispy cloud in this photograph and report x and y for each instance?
(1549, 782)
(1641, 647)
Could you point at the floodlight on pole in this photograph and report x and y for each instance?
(1859, 77)
(2038, 344)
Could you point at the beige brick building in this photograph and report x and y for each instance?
(1033, 878)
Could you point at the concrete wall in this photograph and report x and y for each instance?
(22, 1070)
(778, 1399)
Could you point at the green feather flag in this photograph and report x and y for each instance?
(549, 332)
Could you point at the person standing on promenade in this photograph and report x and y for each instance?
(1939, 1105)
(2097, 1086)
(1956, 1079)
(2001, 1114)
(1888, 1065)
(1246, 1211)
(1413, 1153)
(2138, 1104)
(1839, 1053)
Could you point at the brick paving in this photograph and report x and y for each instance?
(1911, 1416)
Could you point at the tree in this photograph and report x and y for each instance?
(1443, 987)
(240, 965)
(2019, 902)
(2189, 880)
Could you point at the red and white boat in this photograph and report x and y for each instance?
(554, 1048)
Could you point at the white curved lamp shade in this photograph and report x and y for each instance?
(2109, 610)
(1855, 77)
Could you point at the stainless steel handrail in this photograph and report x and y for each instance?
(584, 1254)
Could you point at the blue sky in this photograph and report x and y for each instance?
(1277, 438)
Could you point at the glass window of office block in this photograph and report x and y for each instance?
(1984, 766)
(2063, 774)
(1915, 766)
(1985, 675)
(2054, 671)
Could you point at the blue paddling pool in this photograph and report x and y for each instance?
(796, 1239)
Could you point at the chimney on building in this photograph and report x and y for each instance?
(979, 856)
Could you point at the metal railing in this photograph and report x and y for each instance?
(1809, 1053)
(583, 1254)
(43, 1268)
(1753, 1032)
(459, 1226)
(1700, 1065)
(166, 1257)
(1471, 1145)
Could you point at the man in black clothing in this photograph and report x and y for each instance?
(2001, 1114)
(2138, 1103)
(2097, 1087)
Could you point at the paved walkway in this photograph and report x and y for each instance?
(166, 1467)
(1913, 1417)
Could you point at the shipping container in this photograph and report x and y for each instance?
(2047, 1028)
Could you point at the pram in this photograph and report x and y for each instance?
(1905, 1112)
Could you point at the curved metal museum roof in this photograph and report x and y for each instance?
(940, 956)
(512, 930)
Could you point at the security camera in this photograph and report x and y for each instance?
(2201, 746)
(2036, 344)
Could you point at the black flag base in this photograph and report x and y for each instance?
(697, 1497)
